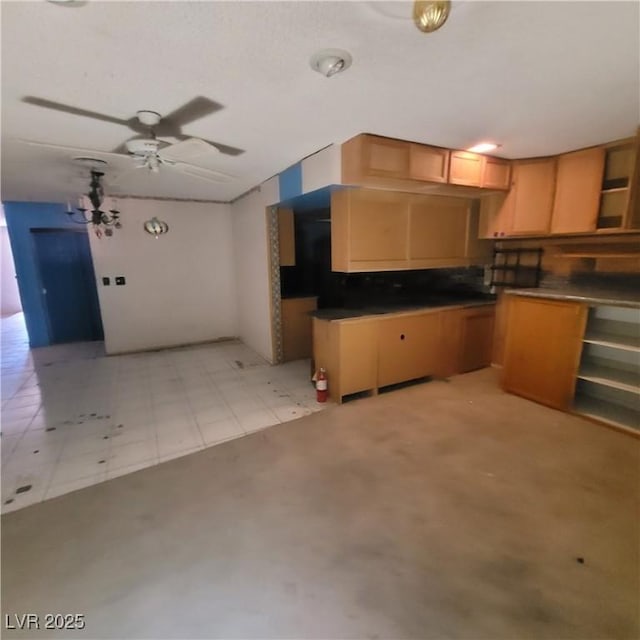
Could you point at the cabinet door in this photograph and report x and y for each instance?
(543, 344)
(385, 157)
(407, 348)
(357, 357)
(438, 230)
(429, 163)
(476, 338)
(296, 327)
(578, 186)
(496, 214)
(378, 229)
(286, 238)
(465, 168)
(496, 174)
(534, 184)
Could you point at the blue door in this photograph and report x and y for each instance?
(68, 285)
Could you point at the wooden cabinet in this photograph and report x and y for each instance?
(475, 170)
(296, 327)
(577, 193)
(466, 339)
(620, 196)
(369, 230)
(364, 354)
(476, 338)
(534, 184)
(542, 350)
(368, 156)
(496, 174)
(348, 352)
(428, 163)
(374, 230)
(407, 347)
(465, 168)
(370, 160)
(526, 209)
(438, 230)
(286, 238)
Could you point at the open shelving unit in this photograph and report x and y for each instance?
(608, 379)
(616, 185)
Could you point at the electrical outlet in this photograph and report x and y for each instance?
(120, 280)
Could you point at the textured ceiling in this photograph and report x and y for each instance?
(539, 77)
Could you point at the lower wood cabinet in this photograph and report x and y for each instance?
(296, 327)
(364, 354)
(542, 349)
(407, 348)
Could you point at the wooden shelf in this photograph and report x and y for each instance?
(614, 378)
(596, 254)
(615, 190)
(627, 343)
(608, 412)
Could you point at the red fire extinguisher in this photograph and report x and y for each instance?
(321, 385)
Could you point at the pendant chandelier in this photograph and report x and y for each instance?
(103, 221)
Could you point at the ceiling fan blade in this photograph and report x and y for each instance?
(193, 110)
(75, 150)
(210, 175)
(75, 111)
(222, 148)
(188, 149)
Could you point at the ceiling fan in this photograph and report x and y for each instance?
(148, 149)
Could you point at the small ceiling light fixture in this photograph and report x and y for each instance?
(156, 227)
(483, 147)
(430, 15)
(329, 62)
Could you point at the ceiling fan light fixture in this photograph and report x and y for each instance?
(330, 62)
(156, 227)
(430, 15)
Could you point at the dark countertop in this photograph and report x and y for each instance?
(376, 310)
(588, 296)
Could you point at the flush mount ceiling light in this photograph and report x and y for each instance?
(329, 62)
(156, 227)
(430, 15)
(483, 147)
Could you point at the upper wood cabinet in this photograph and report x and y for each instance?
(374, 230)
(286, 238)
(369, 230)
(475, 170)
(438, 229)
(496, 174)
(465, 168)
(367, 156)
(542, 351)
(534, 185)
(577, 193)
(386, 162)
(526, 208)
(428, 163)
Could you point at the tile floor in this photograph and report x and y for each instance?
(73, 417)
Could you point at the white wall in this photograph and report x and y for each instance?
(180, 288)
(9, 291)
(251, 247)
(322, 169)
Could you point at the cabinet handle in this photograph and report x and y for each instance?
(495, 234)
(402, 336)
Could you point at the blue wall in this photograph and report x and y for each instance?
(290, 182)
(21, 218)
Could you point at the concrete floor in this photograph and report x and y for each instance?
(444, 510)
